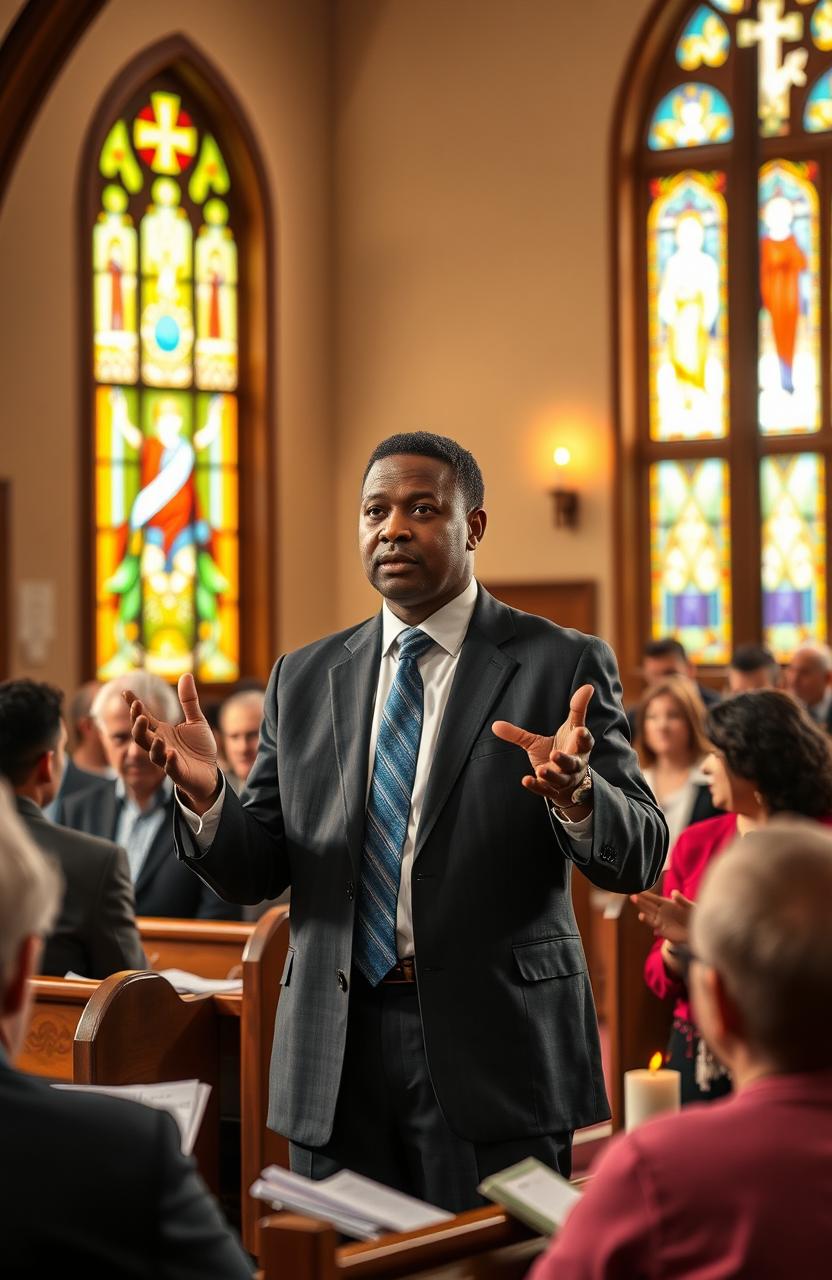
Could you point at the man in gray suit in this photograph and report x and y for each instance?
(95, 933)
(436, 1020)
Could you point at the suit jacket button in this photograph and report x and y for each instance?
(342, 980)
(350, 890)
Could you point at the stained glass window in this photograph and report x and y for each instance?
(792, 498)
(789, 361)
(730, 413)
(690, 556)
(686, 283)
(165, 302)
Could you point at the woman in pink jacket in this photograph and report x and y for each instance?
(768, 757)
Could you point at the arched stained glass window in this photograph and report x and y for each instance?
(726, 428)
(166, 225)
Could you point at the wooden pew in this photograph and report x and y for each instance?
(638, 1023)
(210, 948)
(135, 1029)
(57, 1005)
(482, 1243)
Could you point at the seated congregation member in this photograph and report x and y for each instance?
(809, 679)
(240, 718)
(671, 746)
(753, 666)
(136, 808)
(85, 744)
(660, 659)
(768, 758)
(119, 1197)
(741, 1189)
(95, 932)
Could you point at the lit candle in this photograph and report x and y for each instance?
(651, 1092)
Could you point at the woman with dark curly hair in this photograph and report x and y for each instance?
(768, 757)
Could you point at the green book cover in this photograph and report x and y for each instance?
(532, 1192)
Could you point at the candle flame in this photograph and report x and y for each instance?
(655, 1062)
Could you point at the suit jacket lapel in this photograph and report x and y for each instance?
(352, 687)
(482, 672)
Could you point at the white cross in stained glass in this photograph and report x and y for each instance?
(163, 136)
(777, 75)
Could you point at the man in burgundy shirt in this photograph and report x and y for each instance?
(741, 1187)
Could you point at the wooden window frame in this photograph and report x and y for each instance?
(177, 58)
(649, 74)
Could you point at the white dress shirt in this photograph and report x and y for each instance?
(437, 667)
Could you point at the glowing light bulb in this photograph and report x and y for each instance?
(561, 456)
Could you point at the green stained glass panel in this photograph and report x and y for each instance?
(690, 557)
(789, 368)
(687, 307)
(792, 494)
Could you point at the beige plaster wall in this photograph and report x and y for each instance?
(276, 58)
(472, 256)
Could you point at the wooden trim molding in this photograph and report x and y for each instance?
(32, 55)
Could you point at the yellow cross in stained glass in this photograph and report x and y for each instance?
(166, 142)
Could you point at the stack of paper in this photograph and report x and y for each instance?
(355, 1205)
(182, 981)
(534, 1193)
(184, 1099)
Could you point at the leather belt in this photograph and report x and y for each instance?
(402, 971)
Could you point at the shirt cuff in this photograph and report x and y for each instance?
(580, 831)
(205, 828)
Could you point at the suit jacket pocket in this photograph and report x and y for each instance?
(287, 968)
(491, 746)
(550, 958)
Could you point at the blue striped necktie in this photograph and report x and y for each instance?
(388, 810)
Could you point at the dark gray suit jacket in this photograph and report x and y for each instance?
(164, 887)
(95, 933)
(74, 780)
(120, 1198)
(509, 1023)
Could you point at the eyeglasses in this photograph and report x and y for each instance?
(684, 957)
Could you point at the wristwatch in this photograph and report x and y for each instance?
(583, 789)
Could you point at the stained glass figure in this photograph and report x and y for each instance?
(167, 484)
(164, 135)
(115, 262)
(792, 491)
(216, 301)
(821, 25)
(690, 556)
(704, 41)
(778, 72)
(690, 116)
(687, 307)
(167, 315)
(789, 369)
(817, 114)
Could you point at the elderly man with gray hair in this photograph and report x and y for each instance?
(123, 1200)
(136, 808)
(809, 679)
(741, 1187)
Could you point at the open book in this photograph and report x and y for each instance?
(355, 1205)
(534, 1193)
(184, 1099)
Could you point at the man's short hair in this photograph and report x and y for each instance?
(666, 647)
(153, 691)
(243, 698)
(753, 657)
(763, 920)
(425, 444)
(78, 707)
(30, 725)
(822, 652)
(31, 887)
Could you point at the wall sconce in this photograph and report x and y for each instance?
(566, 501)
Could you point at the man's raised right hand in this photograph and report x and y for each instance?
(187, 752)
